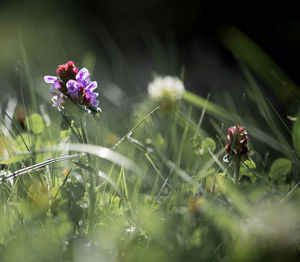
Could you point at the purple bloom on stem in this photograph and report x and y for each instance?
(74, 85)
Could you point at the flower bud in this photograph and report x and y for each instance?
(237, 142)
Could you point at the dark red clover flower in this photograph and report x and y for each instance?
(73, 85)
(237, 142)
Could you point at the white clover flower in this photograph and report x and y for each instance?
(167, 87)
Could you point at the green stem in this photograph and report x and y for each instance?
(92, 210)
(237, 171)
(91, 190)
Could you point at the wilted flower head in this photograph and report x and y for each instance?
(237, 142)
(73, 85)
(168, 88)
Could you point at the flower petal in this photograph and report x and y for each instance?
(95, 102)
(56, 85)
(72, 88)
(90, 95)
(82, 74)
(92, 86)
(50, 79)
(95, 95)
(71, 84)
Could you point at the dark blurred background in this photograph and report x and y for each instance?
(126, 41)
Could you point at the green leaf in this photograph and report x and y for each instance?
(260, 63)
(246, 169)
(280, 167)
(35, 123)
(211, 108)
(65, 133)
(250, 164)
(208, 143)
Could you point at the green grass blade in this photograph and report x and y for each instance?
(100, 151)
(246, 50)
(110, 181)
(36, 166)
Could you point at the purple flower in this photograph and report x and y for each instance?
(74, 85)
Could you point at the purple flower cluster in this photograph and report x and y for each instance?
(74, 85)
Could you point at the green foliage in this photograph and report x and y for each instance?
(65, 133)
(280, 168)
(250, 164)
(247, 169)
(203, 146)
(208, 144)
(35, 123)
